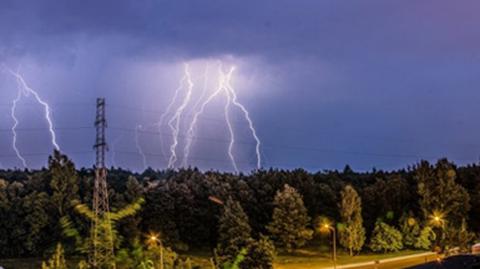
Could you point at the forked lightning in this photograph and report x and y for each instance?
(24, 90)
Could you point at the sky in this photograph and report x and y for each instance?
(373, 84)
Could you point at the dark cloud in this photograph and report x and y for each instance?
(349, 78)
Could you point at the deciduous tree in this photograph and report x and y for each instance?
(351, 232)
(385, 238)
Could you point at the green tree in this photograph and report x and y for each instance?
(130, 226)
(290, 220)
(36, 220)
(260, 254)
(106, 225)
(235, 264)
(410, 230)
(439, 191)
(64, 182)
(135, 258)
(351, 232)
(57, 261)
(234, 232)
(385, 238)
(459, 237)
(159, 214)
(425, 239)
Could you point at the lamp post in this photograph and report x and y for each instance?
(437, 220)
(332, 229)
(153, 240)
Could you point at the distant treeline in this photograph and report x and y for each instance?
(179, 206)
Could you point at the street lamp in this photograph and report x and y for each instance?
(328, 227)
(437, 220)
(153, 240)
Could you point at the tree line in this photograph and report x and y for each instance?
(257, 214)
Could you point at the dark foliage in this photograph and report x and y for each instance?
(177, 203)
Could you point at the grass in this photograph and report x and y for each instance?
(310, 258)
(307, 258)
(28, 263)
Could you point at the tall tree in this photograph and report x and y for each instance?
(129, 227)
(351, 232)
(234, 232)
(439, 191)
(290, 220)
(64, 182)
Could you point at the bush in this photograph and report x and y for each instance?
(424, 241)
(386, 238)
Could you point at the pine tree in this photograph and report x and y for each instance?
(351, 232)
(385, 238)
(234, 232)
(260, 254)
(290, 220)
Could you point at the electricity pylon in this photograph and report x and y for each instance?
(101, 254)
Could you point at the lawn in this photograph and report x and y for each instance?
(306, 258)
(309, 258)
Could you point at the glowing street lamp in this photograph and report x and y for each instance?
(437, 219)
(153, 240)
(328, 227)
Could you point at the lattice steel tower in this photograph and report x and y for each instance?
(101, 249)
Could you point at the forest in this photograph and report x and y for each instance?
(256, 214)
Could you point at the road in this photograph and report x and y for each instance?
(395, 263)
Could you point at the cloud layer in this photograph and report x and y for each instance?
(370, 83)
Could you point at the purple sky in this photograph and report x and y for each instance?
(369, 83)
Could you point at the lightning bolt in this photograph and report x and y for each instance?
(229, 125)
(233, 94)
(191, 129)
(113, 151)
(24, 90)
(174, 122)
(193, 123)
(205, 87)
(168, 111)
(14, 127)
(225, 88)
(139, 147)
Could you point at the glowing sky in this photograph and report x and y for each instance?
(369, 83)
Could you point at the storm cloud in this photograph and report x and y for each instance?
(369, 83)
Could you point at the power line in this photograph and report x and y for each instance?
(211, 119)
(300, 148)
(37, 129)
(223, 141)
(265, 146)
(40, 154)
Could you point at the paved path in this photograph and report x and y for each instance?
(393, 263)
